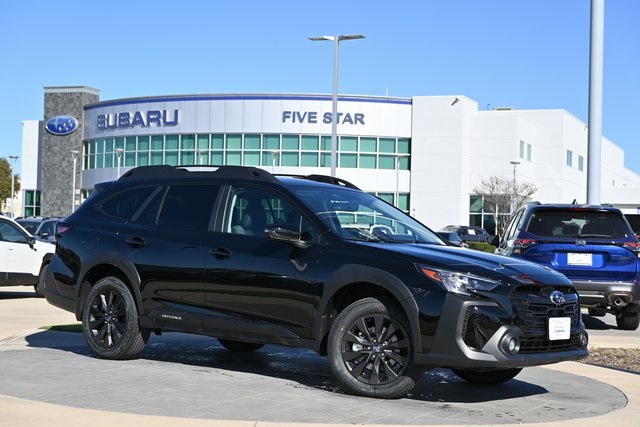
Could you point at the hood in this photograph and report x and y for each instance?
(492, 266)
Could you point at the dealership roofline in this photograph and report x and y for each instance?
(71, 89)
(248, 97)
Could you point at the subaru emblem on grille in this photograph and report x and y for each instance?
(557, 297)
(580, 243)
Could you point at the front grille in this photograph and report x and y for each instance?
(533, 307)
(530, 345)
(538, 289)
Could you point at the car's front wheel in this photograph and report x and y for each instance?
(110, 321)
(496, 376)
(371, 351)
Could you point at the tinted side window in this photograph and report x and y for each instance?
(125, 204)
(47, 227)
(11, 233)
(251, 211)
(188, 206)
(511, 228)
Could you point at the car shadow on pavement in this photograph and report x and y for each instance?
(301, 366)
(17, 294)
(595, 323)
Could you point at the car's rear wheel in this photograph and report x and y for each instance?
(371, 351)
(496, 376)
(234, 345)
(110, 321)
(628, 321)
(39, 288)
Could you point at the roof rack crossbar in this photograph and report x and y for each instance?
(151, 172)
(323, 178)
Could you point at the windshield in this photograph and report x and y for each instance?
(356, 215)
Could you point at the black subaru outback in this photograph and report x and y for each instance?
(251, 259)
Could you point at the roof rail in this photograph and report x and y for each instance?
(324, 178)
(164, 171)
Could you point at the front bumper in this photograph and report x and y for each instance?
(476, 334)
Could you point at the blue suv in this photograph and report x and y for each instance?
(593, 245)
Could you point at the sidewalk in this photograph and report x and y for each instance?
(21, 315)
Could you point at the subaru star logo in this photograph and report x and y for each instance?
(557, 297)
(62, 125)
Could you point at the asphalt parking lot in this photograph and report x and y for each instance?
(186, 377)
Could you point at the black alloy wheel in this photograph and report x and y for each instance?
(371, 351)
(110, 321)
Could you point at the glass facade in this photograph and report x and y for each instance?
(31, 203)
(266, 150)
(247, 150)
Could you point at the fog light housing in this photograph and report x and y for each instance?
(584, 339)
(511, 344)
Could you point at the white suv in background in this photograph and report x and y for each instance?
(23, 259)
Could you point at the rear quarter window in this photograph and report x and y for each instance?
(125, 204)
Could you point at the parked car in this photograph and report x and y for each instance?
(31, 223)
(251, 259)
(42, 228)
(23, 259)
(451, 237)
(593, 246)
(469, 233)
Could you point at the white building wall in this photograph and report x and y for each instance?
(440, 159)
(29, 174)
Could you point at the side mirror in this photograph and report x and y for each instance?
(493, 240)
(281, 234)
(31, 241)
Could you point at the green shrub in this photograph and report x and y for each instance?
(479, 246)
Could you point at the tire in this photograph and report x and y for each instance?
(239, 346)
(39, 288)
(497, 376)
(371, 351)
(110, 321)
(628, 321)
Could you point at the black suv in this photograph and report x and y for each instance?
(594, 246)
(251, 258)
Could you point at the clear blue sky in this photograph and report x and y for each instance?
(527, 54)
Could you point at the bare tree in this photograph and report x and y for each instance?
(5, 182)
(503, 196)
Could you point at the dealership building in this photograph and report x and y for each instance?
(425, 154)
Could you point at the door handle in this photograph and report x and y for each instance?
(220, 252)
(136, 242)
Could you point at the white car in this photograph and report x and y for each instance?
(23, 259)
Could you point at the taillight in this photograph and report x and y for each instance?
(521, 244)
(62, 227)
(633, 247)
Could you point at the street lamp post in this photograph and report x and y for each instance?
(513, 200)
(74, 155)
(119, 152)
(273, 153)
(334, 97)
(202, 157)
(13, 179)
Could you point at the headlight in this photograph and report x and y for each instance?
(456, 282)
